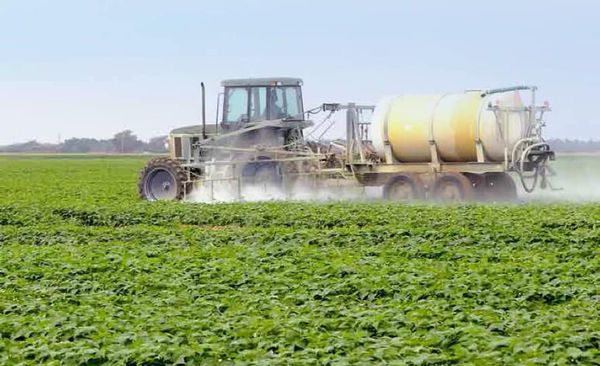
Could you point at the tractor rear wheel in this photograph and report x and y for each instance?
(262, 173)
(162, 179)
(453, 187)
(404, 187)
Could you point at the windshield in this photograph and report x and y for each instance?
(259, 103)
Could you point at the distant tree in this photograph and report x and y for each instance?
(86, 145)
(157, 145)
(568, 145)
(127, 142)
(76, 145)
(30, 146)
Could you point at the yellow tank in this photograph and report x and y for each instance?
(455, 122)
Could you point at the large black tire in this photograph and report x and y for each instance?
(404, 187)
(499, 187)
(452, 187)
(478, 183)
(262, 173)
(162, 179)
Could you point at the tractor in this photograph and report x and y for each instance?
(260, 132)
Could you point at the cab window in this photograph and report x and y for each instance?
(236, 105)
(258, 103)
(285, 102)
(294, 103)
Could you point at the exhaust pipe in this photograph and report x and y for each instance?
(203, 111)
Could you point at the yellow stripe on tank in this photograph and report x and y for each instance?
(408, 127)
(463, 124)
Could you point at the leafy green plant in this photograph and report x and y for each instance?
(91, 275)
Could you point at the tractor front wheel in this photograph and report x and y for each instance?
(163, 179)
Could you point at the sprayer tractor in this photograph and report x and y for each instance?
(451, 147)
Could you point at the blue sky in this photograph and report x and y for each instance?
(91, 68)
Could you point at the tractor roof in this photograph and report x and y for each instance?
(262, 82)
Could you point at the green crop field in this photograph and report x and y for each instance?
(91, 275)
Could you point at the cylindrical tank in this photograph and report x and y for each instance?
(453, 121)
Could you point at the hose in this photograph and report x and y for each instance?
(535, 179)
(517, 145)
(314, 110)
(519, 165)
(526, 152)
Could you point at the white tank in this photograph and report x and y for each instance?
(453, 121)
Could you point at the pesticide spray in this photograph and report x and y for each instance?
(219, 188)
(577, 179)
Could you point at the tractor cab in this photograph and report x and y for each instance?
(251, 112)
(247, 101)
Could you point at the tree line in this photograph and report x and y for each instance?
(124, 142)
(567, 145)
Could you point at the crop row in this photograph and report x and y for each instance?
(144, 294)
(504, 218)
